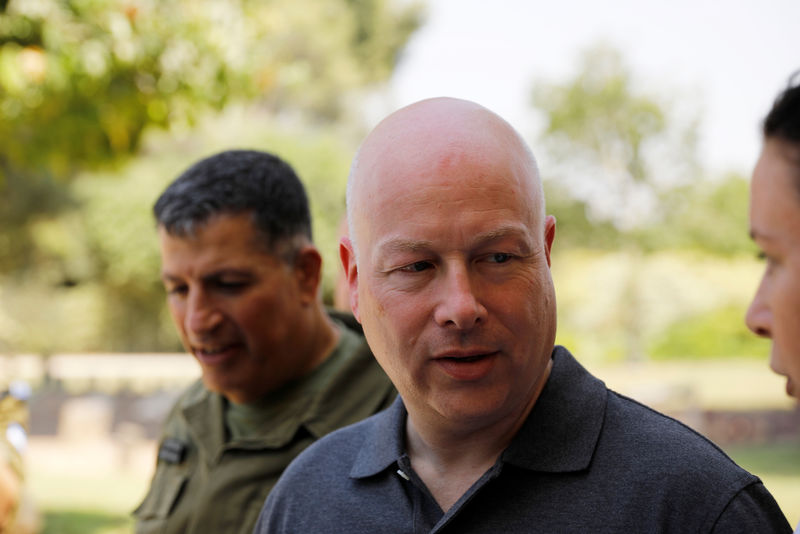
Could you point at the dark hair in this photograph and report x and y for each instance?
(783, 121)
(239, 182)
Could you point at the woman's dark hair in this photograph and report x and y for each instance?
(783, 122)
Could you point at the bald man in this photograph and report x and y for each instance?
(496, 429)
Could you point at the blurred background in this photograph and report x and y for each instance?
(644, 118)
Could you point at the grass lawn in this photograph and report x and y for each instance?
(88, 504)
(85, 522)
(778, 465)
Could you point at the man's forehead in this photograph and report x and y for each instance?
(451, 176)
(400, 242)
(214, 240)
(446, 146)
(431, 132)
(438, 132)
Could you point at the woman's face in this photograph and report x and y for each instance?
(775, 228)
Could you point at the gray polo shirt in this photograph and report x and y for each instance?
(586, 460)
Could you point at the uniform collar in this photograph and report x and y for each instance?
(559, 435)
(205, 418)
(278, 417)
(203, 413)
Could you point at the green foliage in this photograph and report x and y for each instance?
(119, 237)
(671, 299)
(83, 83)
(21, 200)
(574, 227)
(599, 114)
(82, 80)
(611, 149)
(709, 215)
(100, 289)
(622, 173)
(613, 185)
(720, 333)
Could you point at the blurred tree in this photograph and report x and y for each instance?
(622, 175)
(80, 80)
(613, 152)
(719, 333)
(708, 215)
(83, 81)
(611, 149)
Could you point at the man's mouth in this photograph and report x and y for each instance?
(214, 354)
(467, 366)
(465, 359)
(465, 355)
(208, 350)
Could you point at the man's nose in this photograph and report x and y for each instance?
(459, 303)
(759, 316)
(202, 316)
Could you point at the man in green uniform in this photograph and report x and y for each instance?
(278, 372)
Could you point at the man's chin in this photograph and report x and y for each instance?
(215, 383)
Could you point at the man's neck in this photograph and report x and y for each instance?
(326, 338)
(450, 457)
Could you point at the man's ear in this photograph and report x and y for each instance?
(308, 271)
(549, 235)
(348, 257)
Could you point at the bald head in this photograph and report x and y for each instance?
(446, 205)
(418, 141)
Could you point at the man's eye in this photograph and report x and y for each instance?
(231, 286)
(499, 257)
(177, 290)
(416, 267)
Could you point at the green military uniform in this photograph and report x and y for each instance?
(217, 461)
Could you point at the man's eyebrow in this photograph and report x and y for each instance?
(167, 277)
(225, 271)
(403, 245)
(502, 232)
(414, 245)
